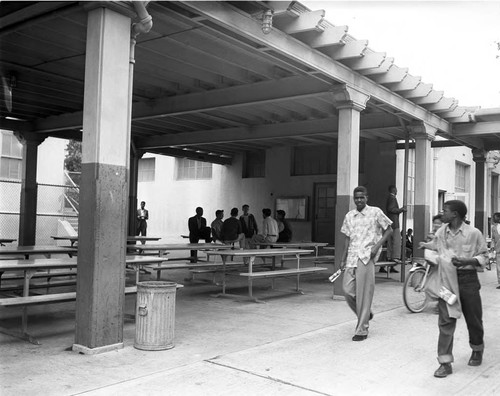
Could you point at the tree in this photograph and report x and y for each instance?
(73, 160)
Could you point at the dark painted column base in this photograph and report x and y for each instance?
(101, 255)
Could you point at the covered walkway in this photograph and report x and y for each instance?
(206, 81)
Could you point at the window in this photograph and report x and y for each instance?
(146, 172)
(254, 164)
(188, 169)
(461, 177)
(315, 160)
(12, 157)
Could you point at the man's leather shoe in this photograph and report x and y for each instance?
(443, 371)
(358, 337)
(476, 358)
(394, 270)
(382, 269)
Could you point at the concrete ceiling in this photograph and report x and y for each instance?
(208, 83)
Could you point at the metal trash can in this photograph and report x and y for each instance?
(155, 315)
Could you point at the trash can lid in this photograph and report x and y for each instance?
(156, 284)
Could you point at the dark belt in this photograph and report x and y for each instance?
(270, 235)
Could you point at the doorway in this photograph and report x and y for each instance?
(325, 197)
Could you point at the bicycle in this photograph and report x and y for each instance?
(414, 295)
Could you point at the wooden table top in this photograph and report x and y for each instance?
(68, 262)
(180, 246)
(142, 238)
(294, 244)
(37, 249)
(262, 252)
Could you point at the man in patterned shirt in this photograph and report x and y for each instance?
(366, 229)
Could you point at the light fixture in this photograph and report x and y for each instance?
(267, 21)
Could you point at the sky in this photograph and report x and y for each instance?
(453, 45)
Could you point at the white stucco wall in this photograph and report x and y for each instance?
(172, 202)
(50, 167)
(443, 177)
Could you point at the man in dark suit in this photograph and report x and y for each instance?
(394, 242)
(142, 217)
(198, 230)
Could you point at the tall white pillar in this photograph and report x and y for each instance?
(423, 135)
(104, 185)
(349, 102)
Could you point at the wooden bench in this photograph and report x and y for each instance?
(203, 267)
(282, 272)
(36, 275)
(44, 285)
(27, 301)
(218, 268)
(48, 298)
(388, 264)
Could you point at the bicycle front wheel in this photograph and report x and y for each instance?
(414, 295)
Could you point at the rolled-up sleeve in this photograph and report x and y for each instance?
(482, 250)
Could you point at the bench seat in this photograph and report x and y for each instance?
(44, 285)
(388, 264)
(283, 272)
(48, 298)
(43, 274)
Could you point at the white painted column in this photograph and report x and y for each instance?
(104, 185)
(349, 102)
(423, 135)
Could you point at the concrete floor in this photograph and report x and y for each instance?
(291, 345)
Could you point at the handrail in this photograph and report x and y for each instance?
(69, 199)
(66, 173)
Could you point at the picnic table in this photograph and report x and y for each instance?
(3, 241)
(142, 239)
(32, 267)
(74, 238)
(297, 244)
(251, 254)
(26, 251)
(162, 249)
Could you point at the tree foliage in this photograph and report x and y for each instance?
(73, 159)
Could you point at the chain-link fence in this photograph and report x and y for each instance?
(57, 210)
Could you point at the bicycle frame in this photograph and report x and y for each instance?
(418, 263)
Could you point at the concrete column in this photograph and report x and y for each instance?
(349, 103)
(29, 188)
(104, 185)
(480, 216)
(423, 135)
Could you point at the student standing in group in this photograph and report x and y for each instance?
(269, 232)
(284, 228)
(462, 253)
(231, 230)
(366, 229)
(198, 230)
(248, 224)
(216, 225)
